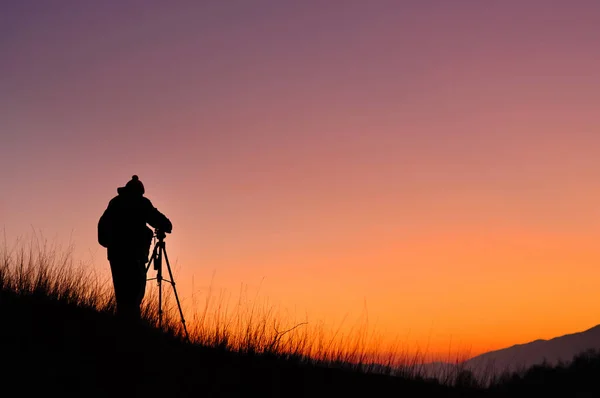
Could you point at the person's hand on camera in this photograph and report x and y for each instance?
(164, 230)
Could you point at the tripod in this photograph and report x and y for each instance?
(157, 255)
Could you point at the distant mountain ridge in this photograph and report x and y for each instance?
(522, 356)
(552, 351)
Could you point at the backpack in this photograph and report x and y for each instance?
(104, 230)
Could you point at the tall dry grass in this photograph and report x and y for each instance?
(41, 269)
(38, 268)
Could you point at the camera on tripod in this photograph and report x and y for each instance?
(161, 234)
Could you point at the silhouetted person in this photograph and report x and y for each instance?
(123, 231)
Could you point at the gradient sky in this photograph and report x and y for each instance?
(433, 161)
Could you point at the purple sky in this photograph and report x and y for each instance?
(288, 138)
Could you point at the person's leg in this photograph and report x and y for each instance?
(139, 276)
(119, 277)
(129, 280)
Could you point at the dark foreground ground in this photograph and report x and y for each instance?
(51, 349)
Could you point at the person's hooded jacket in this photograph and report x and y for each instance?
(122, 227)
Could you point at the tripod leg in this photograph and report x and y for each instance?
(176, 296)
(151, 257)
(159, 278)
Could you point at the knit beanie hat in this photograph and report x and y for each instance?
(135, 185)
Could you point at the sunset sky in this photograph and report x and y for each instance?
(433, 162)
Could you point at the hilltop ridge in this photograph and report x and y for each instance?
(54, 347)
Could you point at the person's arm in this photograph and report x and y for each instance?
(156, 219)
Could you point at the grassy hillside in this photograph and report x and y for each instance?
(59, 336)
